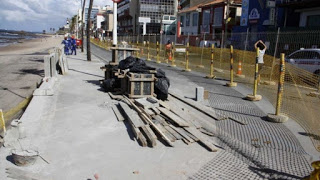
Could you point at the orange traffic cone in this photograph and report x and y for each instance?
(239, 73)
(170, 56)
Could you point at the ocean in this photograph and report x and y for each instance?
(8, 37)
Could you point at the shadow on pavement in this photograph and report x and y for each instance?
(31, 71)
(86, 73)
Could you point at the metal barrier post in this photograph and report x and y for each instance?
(158, 57)
(148, 54)
(277, 117)
(231, 83)
(187, 59)
(172, 55)
(211, 64)
(254, 96)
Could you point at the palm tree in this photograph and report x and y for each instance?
(82, 27)
(88, 31)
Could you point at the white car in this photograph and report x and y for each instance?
(307, 59)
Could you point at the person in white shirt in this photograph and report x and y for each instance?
(262, 49)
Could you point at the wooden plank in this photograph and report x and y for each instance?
(202, 138)
(173, 132)
(182, 133)
(174, 117)
(164, 137)
(146, 104)
(139, 137)
(149, 112)
(156, 111)
(204, 131)
(161, 120)
(116, 97)
(117, 113)
(150, 139)
(184, 114)
(169, 135)
(154, 136)
(192, 136)
(204, 109)
(131, 115)
(163, 104)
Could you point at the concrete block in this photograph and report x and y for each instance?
(47, 69)
(277, 118)
(251, 97)
(46, 88)
(199, 93)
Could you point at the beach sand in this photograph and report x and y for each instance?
(21, 67)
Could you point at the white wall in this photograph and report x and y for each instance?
(100, 18)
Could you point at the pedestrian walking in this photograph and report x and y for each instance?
(69, 44)
(168, 50)
(73, 46)
(66, 46)
(262, 49)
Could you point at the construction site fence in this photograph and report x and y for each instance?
(300, 100)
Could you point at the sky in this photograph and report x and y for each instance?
(38, 15)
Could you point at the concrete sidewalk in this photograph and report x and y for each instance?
(76, 131)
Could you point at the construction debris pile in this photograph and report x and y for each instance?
(176, 119)
(133, 77)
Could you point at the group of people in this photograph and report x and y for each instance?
(70, 45)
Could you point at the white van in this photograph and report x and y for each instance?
(308, 59)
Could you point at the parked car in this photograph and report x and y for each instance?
(307, 59)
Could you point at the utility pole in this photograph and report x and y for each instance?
(82, 24)
(88, 31)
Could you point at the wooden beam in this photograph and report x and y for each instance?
(204, 109)
(202, 139)
(164, 137)
(179, 121)
(117, 113)
(169, 135)
(161, 120)
(131, 115)
(173, 132)
(148, 134)
(182, 133)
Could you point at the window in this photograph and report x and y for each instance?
(195, 19)
(313, 21)
(206, 17)
(188, 19)
(172, 18)
(165, 17)
(182, 21)
(218, 14)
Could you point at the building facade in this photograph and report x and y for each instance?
(130, 11)
(94, 12)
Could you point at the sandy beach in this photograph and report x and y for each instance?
(21, 68)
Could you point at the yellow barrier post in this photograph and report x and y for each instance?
(231, 83)
(315, 174)
(187, 58)
(138, 56)
(255, 96)
(172, 52)
(211, 76)
(2, 121)
(277, 117)
(148, 54)
(158, 56)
